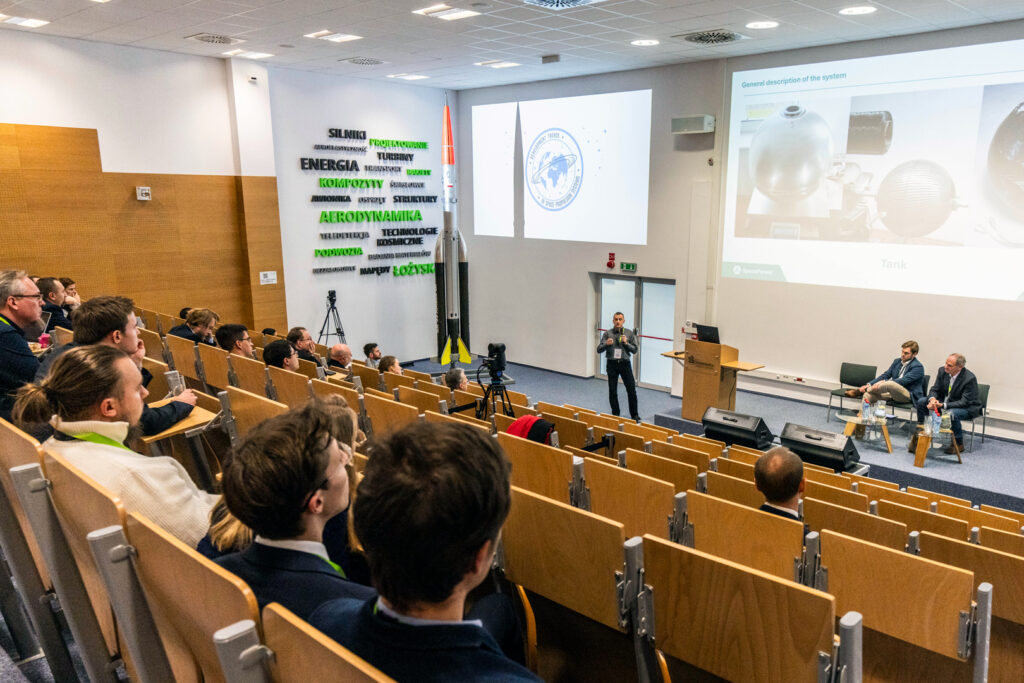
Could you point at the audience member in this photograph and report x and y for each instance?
(20, 305)
(456, 379)
(340, 357)
(72, 299)
(234, 338)
(92, 397)
(268, 330)
(198, 326)
(285, 480)
(779, 475)
(110, 320)
(429, 515)
(183, 313)
(281, 354)
(53, 303)
(303, 343)
(372, 353)
(389, 364)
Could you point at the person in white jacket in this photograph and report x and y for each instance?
(92, 396)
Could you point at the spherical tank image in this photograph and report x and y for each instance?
(1006, 161)
(791, 153)
(916, 198)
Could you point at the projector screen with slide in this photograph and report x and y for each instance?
(899, 173)
(569, 168)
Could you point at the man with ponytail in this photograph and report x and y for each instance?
(92, 397)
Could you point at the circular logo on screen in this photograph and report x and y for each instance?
(554, 169)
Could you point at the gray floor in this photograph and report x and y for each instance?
(993, 473)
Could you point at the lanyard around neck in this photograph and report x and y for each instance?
(93, 437)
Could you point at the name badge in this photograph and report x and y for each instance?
(617, 354)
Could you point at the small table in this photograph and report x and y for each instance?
(191, 427)
(924, 442)
(852, 422)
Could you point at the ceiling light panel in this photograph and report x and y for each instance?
(25, 23)
(446, 12)
(858, 10)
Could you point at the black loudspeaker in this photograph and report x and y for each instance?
(734, 428)
(818, 447)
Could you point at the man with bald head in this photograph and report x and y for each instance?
(341, 357)
(779, 475)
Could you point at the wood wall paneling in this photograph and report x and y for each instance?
(201, 240)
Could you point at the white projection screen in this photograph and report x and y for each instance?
(875, 200)
(583, 168)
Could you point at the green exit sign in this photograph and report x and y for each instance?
(627, 267)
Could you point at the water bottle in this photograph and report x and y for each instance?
(936, 423)
(880, 412)
(947, 422)
(865, 410)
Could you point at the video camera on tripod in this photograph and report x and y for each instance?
(495, 390)
(494, 362)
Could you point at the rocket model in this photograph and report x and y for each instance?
(451, 270)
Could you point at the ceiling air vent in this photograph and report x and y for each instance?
(561, 4)
(364, 61)
(718, 36)
(214, 39)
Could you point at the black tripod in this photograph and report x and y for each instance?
(494, 392)
(331, 316)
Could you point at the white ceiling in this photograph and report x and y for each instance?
(593, 39)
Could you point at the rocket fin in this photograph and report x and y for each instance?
(446, 355)
(464, 356)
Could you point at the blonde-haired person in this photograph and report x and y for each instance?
(92, 397)
(198, 326)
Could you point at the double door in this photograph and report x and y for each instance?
(649, 307)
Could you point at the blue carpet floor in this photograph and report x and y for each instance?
(992, 474)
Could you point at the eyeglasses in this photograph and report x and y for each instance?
(37, 296)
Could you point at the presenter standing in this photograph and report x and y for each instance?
(617, 345)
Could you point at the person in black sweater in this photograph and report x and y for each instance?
(53, 303)
(198, 326)
(20, 307)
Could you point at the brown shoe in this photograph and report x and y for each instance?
(912, 446)
(950, 450)
(853, 393)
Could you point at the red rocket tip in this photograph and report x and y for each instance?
(447, 146)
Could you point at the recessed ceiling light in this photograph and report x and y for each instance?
(341, 37)
(408, 77)
(101, 0)
(26, 23)
(645, 42)
(858, 9)
(446, 12)
(497, 64)
(757, 25)
(247, 54)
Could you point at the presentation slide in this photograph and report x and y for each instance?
(494, 133)
(901, 172)
(583, 168)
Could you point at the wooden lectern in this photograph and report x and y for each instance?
(709, 377)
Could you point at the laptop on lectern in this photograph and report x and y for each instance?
(707, 333)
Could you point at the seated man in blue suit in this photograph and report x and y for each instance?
(955, 390)
(779, 475)
(429, 514)
(902, 381)
(285, 481)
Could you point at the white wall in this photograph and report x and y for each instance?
(543, 305)
(537, 295)
(155, 112)
(396, 312)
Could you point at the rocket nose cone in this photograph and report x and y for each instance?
(448, 146)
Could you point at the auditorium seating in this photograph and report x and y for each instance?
(682, 476)
(216, 370)
(386, 415)
(544, 470)
(423, 400)
(251, 374)
(820, 515)
(642, 504)
(570, 432)
(290, 388)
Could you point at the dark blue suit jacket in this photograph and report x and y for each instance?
(775, 511)
(300, 581)
(424, 654)
(911, 379)
(185, 332)
(964, 393)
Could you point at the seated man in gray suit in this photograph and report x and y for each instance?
(956, 391)
(902, 381)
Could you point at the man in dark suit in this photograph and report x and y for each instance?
(429, 514)
(779, 475)
(198, 327)
(53, 302)
(901, 381)
(956, 391)
(285, 481)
